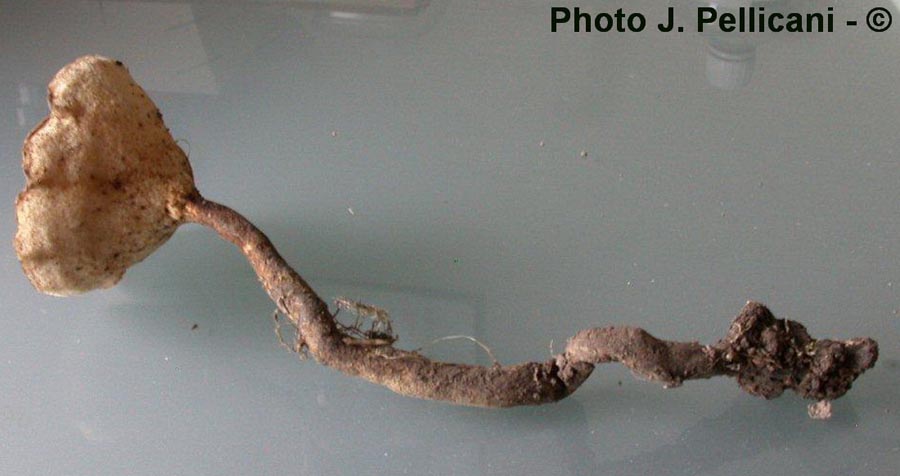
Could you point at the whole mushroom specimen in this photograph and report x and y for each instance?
(106, 185)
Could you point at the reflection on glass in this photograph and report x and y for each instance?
(731, 56)
(364, 18)
(729, 61)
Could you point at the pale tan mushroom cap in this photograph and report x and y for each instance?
(105, 181)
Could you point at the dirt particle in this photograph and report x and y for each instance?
(820, 410)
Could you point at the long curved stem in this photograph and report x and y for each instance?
(766, 355)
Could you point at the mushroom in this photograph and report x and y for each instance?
(106, 185)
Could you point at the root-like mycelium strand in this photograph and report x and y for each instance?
(106, 184)
(766, 355)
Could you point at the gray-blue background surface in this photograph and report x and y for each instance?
(505, 182)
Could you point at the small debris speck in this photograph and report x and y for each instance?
(541, 144)
(334, 133)
(583, 153)
(820, 410)
(350, 211)
(194, 327)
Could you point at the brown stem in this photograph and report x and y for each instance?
(766, 355)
